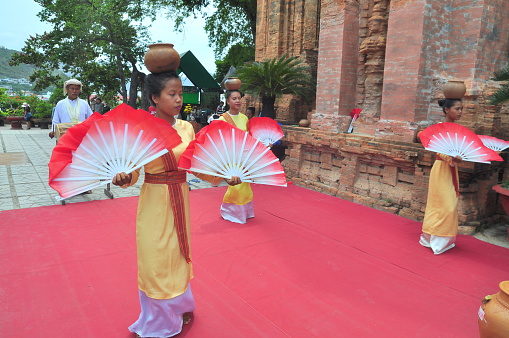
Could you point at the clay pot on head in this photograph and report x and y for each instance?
(304, 123)
(454, 89)
(232, 83)
(494, 313)
(161, 57)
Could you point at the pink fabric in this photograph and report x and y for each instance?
(162, 317)
(237, 213)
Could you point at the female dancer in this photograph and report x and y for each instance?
(237, 203)
(440, 224)
(163, 222)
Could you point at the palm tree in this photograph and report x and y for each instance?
(502, 94)
(273, 78)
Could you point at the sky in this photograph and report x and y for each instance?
(19, 20)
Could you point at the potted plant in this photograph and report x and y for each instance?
(503, 190)
(15, 117)
(42, 114)
(3, 115)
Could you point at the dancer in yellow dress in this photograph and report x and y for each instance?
(237, 203)
(440, 224)
(163, 222)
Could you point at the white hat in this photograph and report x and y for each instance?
(25, 104)
(71, 82)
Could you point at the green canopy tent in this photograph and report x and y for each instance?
(199, 76)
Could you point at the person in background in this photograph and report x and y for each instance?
(165, 266)
(237, 203)
(250, 112)
(440, 224)
(99, 105)
(219, 109)
(27, 114)
(72, 108)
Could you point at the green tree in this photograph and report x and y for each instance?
(275, 77)
(236, 57)
(502, 94)
(232, 21)
(95, 41)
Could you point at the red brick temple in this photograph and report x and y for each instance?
(391, 59)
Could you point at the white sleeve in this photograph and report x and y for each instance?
(57, 116)
(88, 112)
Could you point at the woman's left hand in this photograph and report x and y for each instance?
(457, 159)
(121, 179)
(233, 181)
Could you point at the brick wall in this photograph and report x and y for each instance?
(386, 175)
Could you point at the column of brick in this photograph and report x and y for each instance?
(337, 65)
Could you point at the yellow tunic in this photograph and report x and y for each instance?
(163, 272)
(441, 215)
(239, 194)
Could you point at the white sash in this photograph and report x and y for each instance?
(74, 112)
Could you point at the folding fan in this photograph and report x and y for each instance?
(354, 114)
(223, 150)
(494, 143)
(91, 153)
(455, 140)
(265, 130)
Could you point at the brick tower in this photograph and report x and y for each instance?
(390, 58)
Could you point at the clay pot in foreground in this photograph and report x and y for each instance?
(161, 57)
(454, 89)
(494, 313)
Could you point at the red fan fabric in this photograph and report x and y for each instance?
(453, 139)
(355, 113)
(62, 152)
(223, 150)
(494, 143)
(187, 156)
(265, 129)
(114, 121)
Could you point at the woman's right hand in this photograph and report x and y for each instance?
(233, 181)
(122, 179)
(457, 159)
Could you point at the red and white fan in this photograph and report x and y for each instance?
(265, 129)
(494, 143)
(223, 150)
(91, 153)
(456, 140)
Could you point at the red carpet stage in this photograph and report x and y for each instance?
(307, 265)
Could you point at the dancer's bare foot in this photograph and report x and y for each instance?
(187, 317)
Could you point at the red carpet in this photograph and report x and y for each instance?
(307, 265)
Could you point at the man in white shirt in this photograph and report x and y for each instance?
(72, 108)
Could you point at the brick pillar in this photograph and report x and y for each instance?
(404, 61)
(480, 40)
(337, 65)
(437, 40)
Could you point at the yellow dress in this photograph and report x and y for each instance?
(163, 272)
(240, 194)
(441, 215)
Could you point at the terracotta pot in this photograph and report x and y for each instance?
(233, 83)
(504, 200)
(454, 89)
(304, 123)
(15, 121)
(161, 57)
(494, 313)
